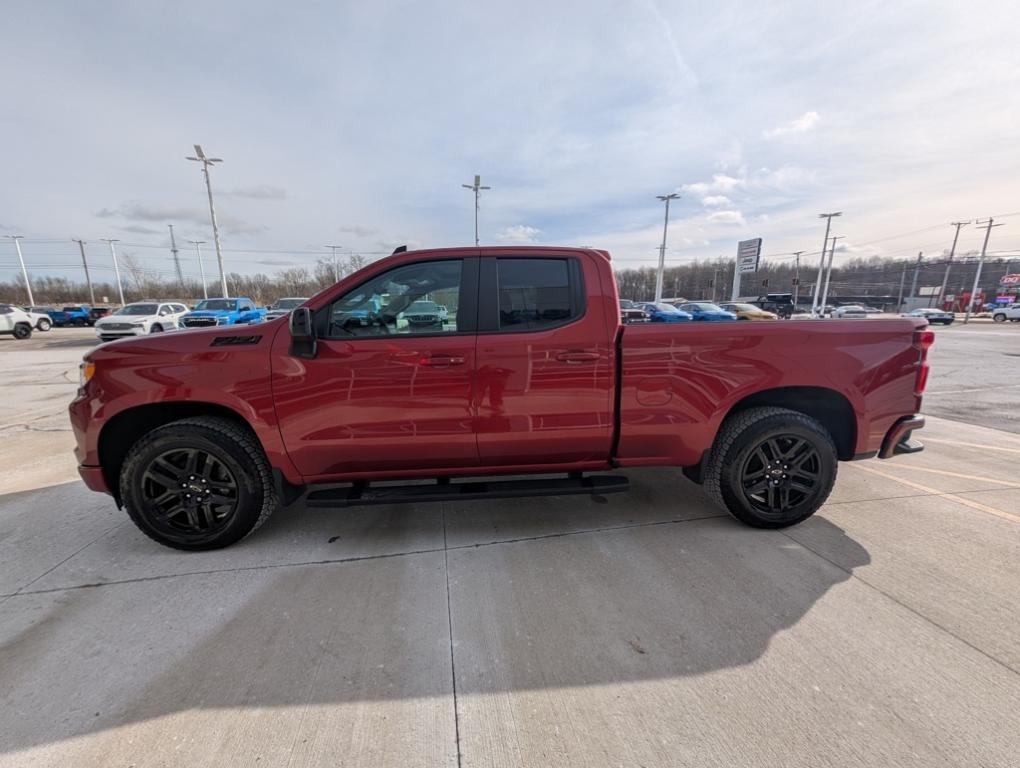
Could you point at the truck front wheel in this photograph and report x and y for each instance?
(197, 484)
(771, 467)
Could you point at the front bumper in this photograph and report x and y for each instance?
(109, 334)
(93, 478)
(899, 438)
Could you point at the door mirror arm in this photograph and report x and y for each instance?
(302, 333)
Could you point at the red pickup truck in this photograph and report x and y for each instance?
(201, 434)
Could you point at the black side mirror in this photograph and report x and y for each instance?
(302, 333)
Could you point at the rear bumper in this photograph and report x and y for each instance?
(93, 478)
(898, 438)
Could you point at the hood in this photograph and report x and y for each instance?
(107, 319)
(210, 312)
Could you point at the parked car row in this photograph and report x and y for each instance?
(704, 311)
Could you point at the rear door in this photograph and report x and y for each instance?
(384, 394)
(543, 383)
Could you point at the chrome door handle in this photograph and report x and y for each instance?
(576, 357)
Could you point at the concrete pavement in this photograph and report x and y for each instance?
(647, 630)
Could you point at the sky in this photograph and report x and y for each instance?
(356, 124)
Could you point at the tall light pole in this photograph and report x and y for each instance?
(201, 265)
(177, 261)
(987, 227)
(336, 264)
(206, 162)
(828, 272)
(949, 261)
(88, 277)
(476, 188)
(662, 248)
(821, 262)
(116, 266)
(796, 277)
(24, 272)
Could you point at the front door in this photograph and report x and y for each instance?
(390, 386)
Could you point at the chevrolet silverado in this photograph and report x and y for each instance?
(202, 435)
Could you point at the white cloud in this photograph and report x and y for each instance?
(727, 217)
(802, 124)
(720, 183)
(715, 200)
(519, 234)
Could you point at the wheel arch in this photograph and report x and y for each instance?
(831, 408)
(126, 427)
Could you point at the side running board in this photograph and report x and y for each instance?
(444, 490)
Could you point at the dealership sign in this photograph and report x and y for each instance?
(748, 253)
(1013, 279)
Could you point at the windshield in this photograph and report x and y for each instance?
(216, 304)
(137, 309)
(664, 307)
(741, 307)
(288, 303)
(73, 309)
(704, 307)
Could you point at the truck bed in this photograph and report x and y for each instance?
(679, 381)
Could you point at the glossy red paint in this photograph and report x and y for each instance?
(491, 402)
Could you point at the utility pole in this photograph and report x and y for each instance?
(88, 277)
(201, 265)
(476, 188)
(821, 263)
(952, 252)
(336, 264)
(828, 273)
(917, 270)
(988, 225)
(662, 249)
(24, 272)
(796, 277)
(903, 280)
(177, 261)
(206, 162)
(116, 267)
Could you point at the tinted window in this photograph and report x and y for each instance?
(216, 304)
(5, 309)
(401, 301)
(534, 294)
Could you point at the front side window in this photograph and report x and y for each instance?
(420, 298)
(534, 294)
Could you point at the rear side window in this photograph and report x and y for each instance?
(535, 294)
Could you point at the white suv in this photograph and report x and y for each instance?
(15, 321)
(1002, 314)
(140, 318)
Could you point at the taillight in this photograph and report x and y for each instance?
(922, 342)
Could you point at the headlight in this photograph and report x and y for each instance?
(138, 325)
(85, 372)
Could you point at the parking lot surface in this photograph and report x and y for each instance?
(649, 629)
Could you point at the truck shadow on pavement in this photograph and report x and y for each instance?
(541, 604)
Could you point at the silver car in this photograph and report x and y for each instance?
(282, 307)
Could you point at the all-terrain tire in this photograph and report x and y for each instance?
(740, 436)
(232, 444)
(22, 331)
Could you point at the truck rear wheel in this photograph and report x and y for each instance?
(198, 484)
(771, 467)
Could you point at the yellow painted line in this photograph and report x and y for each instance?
(982, 446)
(950, 496)
(912, 468)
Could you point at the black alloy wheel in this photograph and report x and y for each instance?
(197, 484)
(781, 473)
(771, 467)
(190, 494)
